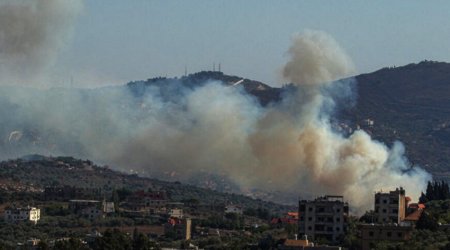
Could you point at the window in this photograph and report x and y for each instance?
(395, 210)
(338, 229)
(338, 219)
(388, 234)
(384, 210)
(309, 228)
(371, 233)
(399, 234)
(384, 201)
(310, 218)
(310, 209)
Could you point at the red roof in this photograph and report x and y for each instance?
(293, 215)
(416, 206)
(414, 216)
(173, 221)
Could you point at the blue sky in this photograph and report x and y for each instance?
(116, 41)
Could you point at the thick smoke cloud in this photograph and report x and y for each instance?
(289, 146)
(32, 33)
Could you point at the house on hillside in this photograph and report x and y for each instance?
(147, 202)
(13, 215)
(91, 209)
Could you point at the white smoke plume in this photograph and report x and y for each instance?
(288, 146)
(32, 33)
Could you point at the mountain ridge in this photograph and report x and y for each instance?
(409, 103)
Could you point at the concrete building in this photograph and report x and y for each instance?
(324, 217)
(149, 202)
(22, 214)
(391, 207)
(371, 234)
(175, 213)
(91, 209)
(394, 219)
(108, 207)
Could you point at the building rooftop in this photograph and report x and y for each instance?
(85, 201)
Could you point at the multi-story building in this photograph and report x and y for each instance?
(23, 214)
(92, 209)
(391, 207)
(394, 220)
(324, 217)
(152, 202)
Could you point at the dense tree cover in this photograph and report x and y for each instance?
(261, 213)
(229, 221)
(439, 210)
(421, 239)
(426, 221)
(115, 239)
(71, 244)
(435, 191)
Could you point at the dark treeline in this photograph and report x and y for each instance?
(435, 191)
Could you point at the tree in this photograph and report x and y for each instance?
(368, 217)
(141, 242)
(71, 244)
(113, 240)
(437, 191)
(423, 198)
(42, 245)
(427, 222)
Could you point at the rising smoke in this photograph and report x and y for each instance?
(32, 33)
(288, 146)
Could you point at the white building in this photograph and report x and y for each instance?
(23, 214)
(175, 212)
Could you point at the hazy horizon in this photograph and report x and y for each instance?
(116, 42)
